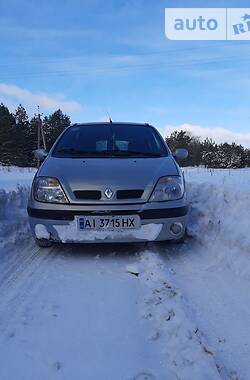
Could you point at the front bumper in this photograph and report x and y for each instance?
(59, 222)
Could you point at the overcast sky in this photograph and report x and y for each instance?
(91, 58)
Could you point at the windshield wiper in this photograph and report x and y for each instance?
(69, 150)
(105, 153)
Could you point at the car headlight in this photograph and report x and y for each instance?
(48, 189)
(168, 189)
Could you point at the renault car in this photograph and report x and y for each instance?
(109, 182)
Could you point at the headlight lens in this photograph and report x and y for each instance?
(48, 189)
(168, 189)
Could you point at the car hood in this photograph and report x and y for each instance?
(102, 173)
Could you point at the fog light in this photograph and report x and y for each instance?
(176, 228)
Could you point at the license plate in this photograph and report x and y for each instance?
(130, 222)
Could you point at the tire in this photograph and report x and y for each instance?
(44, 243)
(178, 241)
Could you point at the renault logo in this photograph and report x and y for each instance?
(108, 193)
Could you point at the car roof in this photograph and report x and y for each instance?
(113, 123)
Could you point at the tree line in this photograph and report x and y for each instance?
(18, 140)
(208, 153)
(18, 134)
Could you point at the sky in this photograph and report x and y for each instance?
(93, 59)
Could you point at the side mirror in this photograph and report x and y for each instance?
(40, 154)
(180, 153)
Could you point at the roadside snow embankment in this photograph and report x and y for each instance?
(13, 177)
(184, 352)
(13, 215)
(219, 217)
(14, 191)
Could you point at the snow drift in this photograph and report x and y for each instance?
(13, 215)
(219, 221)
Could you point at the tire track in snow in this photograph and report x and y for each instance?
(21, 281)
(16, 264)
(164, 307)
(186, 304)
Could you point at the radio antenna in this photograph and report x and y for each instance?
(109, 117)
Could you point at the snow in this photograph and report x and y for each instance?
(187, 356)
(41, 232)
(153, 311)
(235, 180)
(219, 219)
(12, 177)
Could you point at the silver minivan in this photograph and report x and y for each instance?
(109, 182)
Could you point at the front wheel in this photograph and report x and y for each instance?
(44, 243)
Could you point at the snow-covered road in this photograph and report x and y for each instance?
(115, 312)
(220, 301)
(68, 313)
(104, 312)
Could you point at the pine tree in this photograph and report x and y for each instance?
(7, 125)
(184, 139)
(54, 124)
(31, 139)
(247, 158)
(19, 135)
(208, 153)
(21, 117)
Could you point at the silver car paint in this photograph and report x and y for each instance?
(114, 173)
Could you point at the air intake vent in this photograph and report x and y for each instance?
(129, 194)
(88, 194)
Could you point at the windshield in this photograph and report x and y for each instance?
(110, 140)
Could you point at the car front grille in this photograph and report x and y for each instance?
(129, 194)
(88, 194)
(95, 195)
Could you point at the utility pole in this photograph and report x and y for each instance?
(40, 133)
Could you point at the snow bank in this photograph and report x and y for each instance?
(219, 217)
(13, 177)
(13, 215)
(235, 180)
(15, 185)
